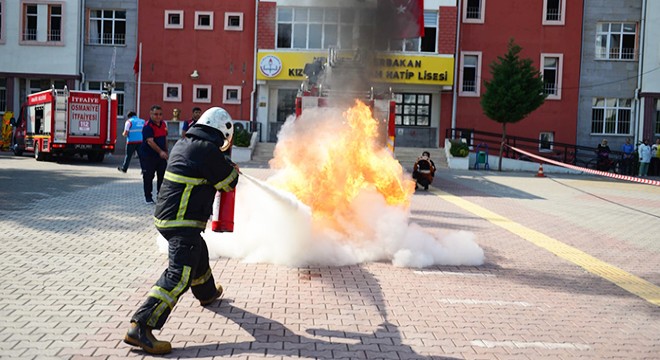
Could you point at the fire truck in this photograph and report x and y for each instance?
(341, 79)
(66, 122)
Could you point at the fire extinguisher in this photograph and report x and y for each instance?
(223, 211)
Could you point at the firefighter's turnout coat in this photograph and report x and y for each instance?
(195, 170)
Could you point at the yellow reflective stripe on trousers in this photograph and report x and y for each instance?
(202, 279)
(163, 224)
(183, 204)
(170, 295)
(184, 179)
(224, 184)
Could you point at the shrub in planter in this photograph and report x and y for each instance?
(459, 149)
(242, 138)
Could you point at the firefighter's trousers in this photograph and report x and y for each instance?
(188, 268)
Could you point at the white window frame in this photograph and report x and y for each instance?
(3, 94)
(198, 99)
(477, 91)
(233, 28)
(551, 139)
(608, 48)
(225, 91)
(616, 108)
(167, 23)
(482, 15)
(24, 18)
(559, 74)
(198, 15)
(166, 97)
(115, 40)
(562, 14)
(51, 17)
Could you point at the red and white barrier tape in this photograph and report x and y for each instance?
(590, 171)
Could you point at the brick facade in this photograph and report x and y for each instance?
(266, 25)
(447, 30)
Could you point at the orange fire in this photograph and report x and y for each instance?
(327, 158)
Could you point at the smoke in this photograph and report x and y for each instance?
(349, 221)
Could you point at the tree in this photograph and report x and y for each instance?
(515, 90)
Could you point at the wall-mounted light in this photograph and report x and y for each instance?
(194, 75)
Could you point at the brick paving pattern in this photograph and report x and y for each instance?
(76, 266)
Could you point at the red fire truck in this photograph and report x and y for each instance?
(66, 122)
(341, 79)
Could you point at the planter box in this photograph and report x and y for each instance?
(461, 163)
(244, 154)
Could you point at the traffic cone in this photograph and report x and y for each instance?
(540, 172)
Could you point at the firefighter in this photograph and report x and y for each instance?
(196, 168)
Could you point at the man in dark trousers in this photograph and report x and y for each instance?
(197, 168)
(153, 152)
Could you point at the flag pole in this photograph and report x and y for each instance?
(139, 81)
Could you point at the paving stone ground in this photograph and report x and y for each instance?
(78, 258)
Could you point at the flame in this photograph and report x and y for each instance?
(328, 158)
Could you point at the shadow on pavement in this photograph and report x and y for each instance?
(464, 184)
(275, 339)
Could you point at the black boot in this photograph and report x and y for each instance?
(217, 295)
(141, 336)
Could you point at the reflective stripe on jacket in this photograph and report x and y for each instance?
(195, 170)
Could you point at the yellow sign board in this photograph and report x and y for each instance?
(386, 67)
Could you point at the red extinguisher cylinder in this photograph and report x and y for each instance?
(223, 212)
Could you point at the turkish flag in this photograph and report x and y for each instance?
(401, 19)
(136, 65)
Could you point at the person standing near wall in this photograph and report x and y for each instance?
(133, 134)
(644, 151)
(196, 113)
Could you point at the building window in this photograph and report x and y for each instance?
(553, 12)
(55, 23)
(30, 22)
(107, 27)
(173, 19)
(427, 43)
(233, 21)
(202, 93)
(616, 41)
(611, 116)
(119, 90)
(552, 74)
(412, 109)
(3, 95)
(474, 11)
(657, 116)
(172, 92)
(546, 141)
(470, 76)
(321, 28)
(203, 20)
(231, 95)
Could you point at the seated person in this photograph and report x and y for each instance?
(424, 171)
(603, 153)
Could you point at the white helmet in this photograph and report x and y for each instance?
(219, 119)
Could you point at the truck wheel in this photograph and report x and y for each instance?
(38, 155)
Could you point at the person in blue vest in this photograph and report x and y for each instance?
(133, 134)
(153, 152)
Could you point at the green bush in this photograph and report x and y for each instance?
(242, 138)
(458, 148)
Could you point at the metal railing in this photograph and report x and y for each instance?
(584, 156)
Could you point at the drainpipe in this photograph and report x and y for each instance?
(639, 120)
(254, 65)
(81, 50)
(456, 60)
